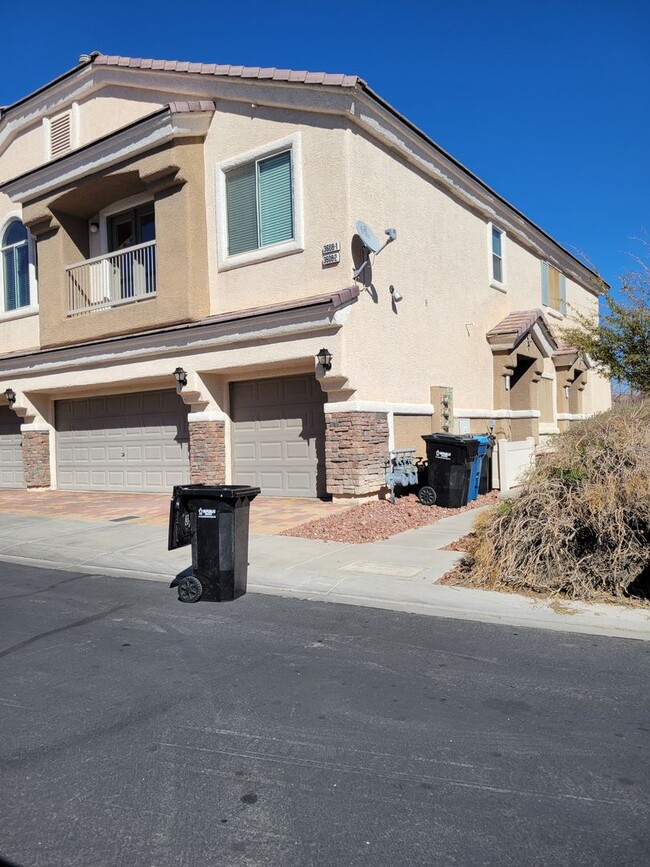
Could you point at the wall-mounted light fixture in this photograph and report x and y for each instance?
(325, 359)
(397, 295)
(94, 227)
(566, 391)
(10, 394)
(180, 376)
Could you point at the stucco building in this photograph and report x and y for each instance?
(158, 216)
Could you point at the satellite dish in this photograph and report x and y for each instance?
(370, 240)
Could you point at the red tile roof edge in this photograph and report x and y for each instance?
(327, 79)
(519, 323)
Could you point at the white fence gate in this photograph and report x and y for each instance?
(514, 458)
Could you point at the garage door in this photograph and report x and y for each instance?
(278, 433)
(11, 459)
(122, 442)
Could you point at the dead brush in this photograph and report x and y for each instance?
(581, 525)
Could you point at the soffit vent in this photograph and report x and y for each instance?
(60, 135)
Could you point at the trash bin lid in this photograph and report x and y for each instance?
(465, 441)
(215, 492)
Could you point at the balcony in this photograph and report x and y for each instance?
(122, 277)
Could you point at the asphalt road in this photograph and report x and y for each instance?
(141, 732)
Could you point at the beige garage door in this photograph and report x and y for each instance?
(11, 459)
(279, 435)
(122, 442)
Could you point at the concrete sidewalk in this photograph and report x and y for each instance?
(397, 574)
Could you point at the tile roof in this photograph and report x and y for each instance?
(221, 70)
(511, 330)
(200, 105)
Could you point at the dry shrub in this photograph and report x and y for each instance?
(581, 525)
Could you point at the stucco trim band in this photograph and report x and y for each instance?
(379, 406)
(313, 314)
(497, 413)
(211, 415)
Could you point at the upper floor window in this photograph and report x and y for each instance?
(553, 288)
(259, 202)
(15, 252)
(496, 241)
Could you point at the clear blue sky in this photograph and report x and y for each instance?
(548, 102)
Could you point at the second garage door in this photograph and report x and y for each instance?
(11, 459)
(278, 433)
(122, 442)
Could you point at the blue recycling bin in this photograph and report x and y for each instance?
(475, 477)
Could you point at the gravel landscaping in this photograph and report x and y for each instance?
(379, 519)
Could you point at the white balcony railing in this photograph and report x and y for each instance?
(122, 277)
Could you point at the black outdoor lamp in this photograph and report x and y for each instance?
(10, 394)
(180, 376)
(325, 359)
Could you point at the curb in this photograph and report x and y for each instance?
(474, 605)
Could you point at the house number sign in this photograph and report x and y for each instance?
(331, 253)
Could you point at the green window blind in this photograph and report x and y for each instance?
(241, 202)
(275, 199)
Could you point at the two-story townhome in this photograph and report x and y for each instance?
(180, 241)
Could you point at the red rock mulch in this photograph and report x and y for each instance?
(379, 519)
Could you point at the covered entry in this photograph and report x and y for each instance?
(122, 442)
(11, 459)
(278, 435)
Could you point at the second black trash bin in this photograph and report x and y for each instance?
(214, 519)
(450, 458)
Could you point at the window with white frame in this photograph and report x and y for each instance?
(15, 257)
(259, 203)
(496, 242)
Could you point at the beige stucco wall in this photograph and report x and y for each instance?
(440, 264)
(24, 152)
(112, 109)
(238, 129)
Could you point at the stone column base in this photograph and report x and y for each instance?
(36, 458)
(356, 451)
(207, 452)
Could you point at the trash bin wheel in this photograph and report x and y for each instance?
(190, 589)
(427, 496)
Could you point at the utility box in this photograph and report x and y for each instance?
(214, 519)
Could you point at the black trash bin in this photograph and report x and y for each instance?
(450, 458)
(214, 520)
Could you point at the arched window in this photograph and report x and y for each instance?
(15, 266)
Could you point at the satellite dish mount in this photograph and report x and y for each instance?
(371, 244)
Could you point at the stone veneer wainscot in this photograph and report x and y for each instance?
(356, 450)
